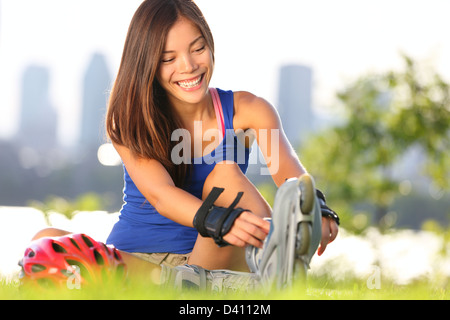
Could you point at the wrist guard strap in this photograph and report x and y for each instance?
(326, 211)
(215, 222)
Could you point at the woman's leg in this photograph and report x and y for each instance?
(229, 176)
(50, 232)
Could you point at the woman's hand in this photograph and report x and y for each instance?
(329, 232)
(248, 229)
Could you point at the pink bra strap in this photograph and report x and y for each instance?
(218, 110)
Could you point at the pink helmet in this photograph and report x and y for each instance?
(74, 259)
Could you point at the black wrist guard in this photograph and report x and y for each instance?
(215, 222)
(326, 211)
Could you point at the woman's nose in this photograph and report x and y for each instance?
(187, 64)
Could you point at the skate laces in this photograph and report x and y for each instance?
(253, 255)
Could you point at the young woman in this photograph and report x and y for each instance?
(162, 87)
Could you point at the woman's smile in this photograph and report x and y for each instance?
(191, 84)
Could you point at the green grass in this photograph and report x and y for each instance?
(315, 289)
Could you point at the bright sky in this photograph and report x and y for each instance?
(340, 40)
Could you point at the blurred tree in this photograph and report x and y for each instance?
(386, 114)
(54, 204)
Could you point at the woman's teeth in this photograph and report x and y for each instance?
(187, 84)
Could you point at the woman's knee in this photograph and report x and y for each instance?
(228, 175)
(50, 232)
(225, 168)
(226, 172)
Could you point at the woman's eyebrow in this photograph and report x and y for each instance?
(193, 42)
(190, 45)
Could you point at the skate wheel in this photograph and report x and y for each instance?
(303, 238)
(307, 193)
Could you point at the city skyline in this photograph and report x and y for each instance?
(34, 162)
(339, 44)
(38, 120)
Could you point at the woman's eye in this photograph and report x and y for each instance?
(168, 60)
(200, 49)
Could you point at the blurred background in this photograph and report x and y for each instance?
(361, 87)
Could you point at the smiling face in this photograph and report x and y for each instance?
(186, 64)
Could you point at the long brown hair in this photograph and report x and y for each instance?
(139, 116)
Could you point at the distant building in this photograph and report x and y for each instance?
(295, 109)
(295, 101)
(38, 118)
(96, 86)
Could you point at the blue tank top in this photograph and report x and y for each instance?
(141, 228)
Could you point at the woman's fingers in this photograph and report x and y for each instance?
(247, 218)
(334, 229)
(329, 233)
(248, 229)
